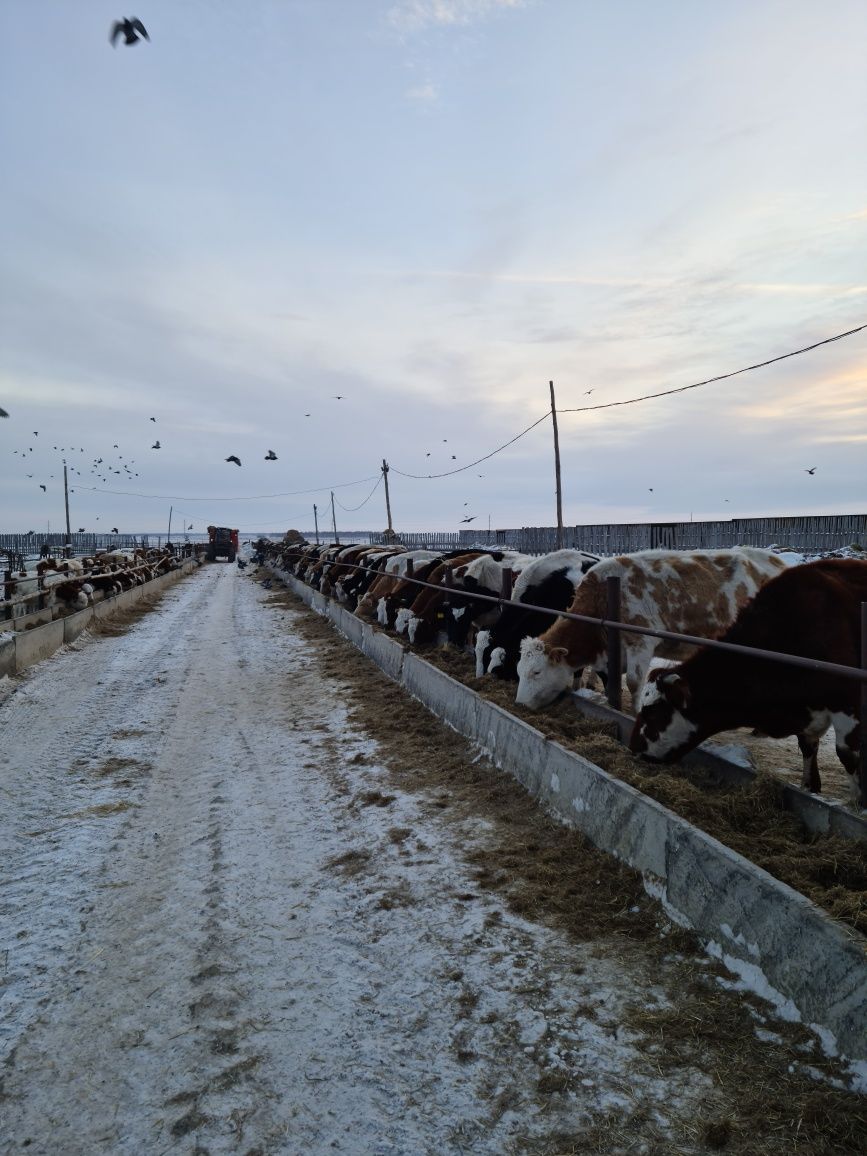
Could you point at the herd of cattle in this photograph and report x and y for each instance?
(64, 585)
(683, 694)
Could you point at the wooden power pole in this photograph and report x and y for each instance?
(387, 499)
(557, 470)
(66, 501)
(316, 522)
(333, 519)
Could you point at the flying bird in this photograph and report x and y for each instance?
(3, 412)
(338, 397)
(153, 419)
(43, 487)
(587, 392)
(812, 471)
(472, 518)
(270, 456)
(130, 28)
(156, 445)
(115, 530)
(650, 488)
(81, 529)
(307, 415)
(232, 458)
(36, 433)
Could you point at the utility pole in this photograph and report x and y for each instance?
(169, 535)
(557, 470)
(387, 499)
(316, 522)
(334, 519)
(66, 500)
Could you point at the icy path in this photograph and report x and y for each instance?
(215, 936)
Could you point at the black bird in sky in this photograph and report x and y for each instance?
(307, 415)
(270, 456)
(812, 471)
(650, 488)
(130, 28)
(454, 457)
(587, 392)
(153, 419)
(156, 445)
(115, 530)
(3, 412)
(338, 397)
(472, 518)
(36, 433)
(232, 458)
(81, 529)
(43, 487)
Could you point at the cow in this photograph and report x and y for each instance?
(422, 618)
(482, 576)
(549, 581)
(696, 592)
(812, 611)
(374, 603)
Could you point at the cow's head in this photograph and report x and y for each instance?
(544, 673)
(664, 730)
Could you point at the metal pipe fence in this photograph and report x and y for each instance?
(615, 625)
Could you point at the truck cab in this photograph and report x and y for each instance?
(222, 543)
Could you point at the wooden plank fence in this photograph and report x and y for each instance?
(804, 533)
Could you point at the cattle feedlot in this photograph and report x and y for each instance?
(258, 900)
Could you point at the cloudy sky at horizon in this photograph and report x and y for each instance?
(431, 208)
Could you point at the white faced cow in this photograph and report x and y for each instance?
(697, 593)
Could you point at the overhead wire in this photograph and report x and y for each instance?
(719, 377)
(352, 509)
(633, 401)
(244, 498)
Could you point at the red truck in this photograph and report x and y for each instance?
(222, 543)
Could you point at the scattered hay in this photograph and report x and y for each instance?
(100, 811)
(350, 863)
(121, 619)
(114, 765)
(751, 819)
(764, 1101)
(374, 799)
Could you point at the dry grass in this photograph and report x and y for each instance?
(763, 1100)
(120, 621)
(830, 870)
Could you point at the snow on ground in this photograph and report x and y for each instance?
(219, 935)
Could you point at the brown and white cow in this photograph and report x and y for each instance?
(696, 592)
(812, 611)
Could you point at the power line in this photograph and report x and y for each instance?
(247, 498)
(719, 377)
(352, 509)
(461, 469)
(633, 401)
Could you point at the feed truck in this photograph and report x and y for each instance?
(222, 543)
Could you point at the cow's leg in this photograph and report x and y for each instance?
(847, 739)
(808, 741)
(810, 779)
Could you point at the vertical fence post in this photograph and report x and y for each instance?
(862, 768)
(506, 589)
(612, 688)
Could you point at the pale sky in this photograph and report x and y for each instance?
(431, 208)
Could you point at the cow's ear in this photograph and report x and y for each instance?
(675, 689)
(558, 653)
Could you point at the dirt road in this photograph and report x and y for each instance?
(225, 928)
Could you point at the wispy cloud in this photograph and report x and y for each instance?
(417, 15)
(423, 94)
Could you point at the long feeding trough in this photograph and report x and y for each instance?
(778, 942)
